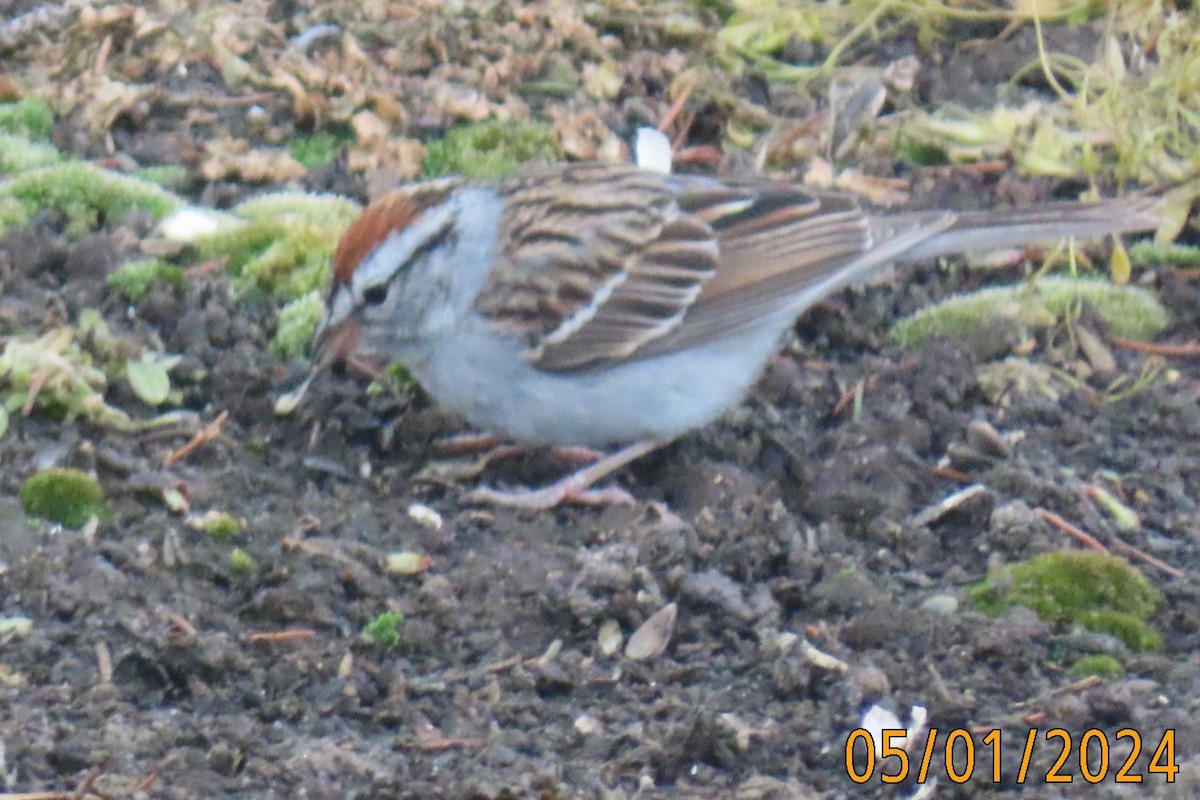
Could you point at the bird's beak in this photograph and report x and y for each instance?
(333, 344)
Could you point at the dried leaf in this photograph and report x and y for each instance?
(650, 640)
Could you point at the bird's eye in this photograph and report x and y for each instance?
(375, 295)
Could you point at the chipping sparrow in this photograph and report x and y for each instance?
(592, 305)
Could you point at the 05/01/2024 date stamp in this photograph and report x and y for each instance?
(1098, 756)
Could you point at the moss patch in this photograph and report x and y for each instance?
(1130, 312)
(384, 630)
(85, 193)
(29, 117)
(66, 496)
(297, 325)
(134, 279)
(18, 154)
(1097, 591)
(281, 244)
(1099, 664)
(318, 148)
(492, 149)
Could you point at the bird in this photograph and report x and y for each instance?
(612, 306)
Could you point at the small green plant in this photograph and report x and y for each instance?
(384, 630)
(492, 149)
(66, 496)
(1097, 591)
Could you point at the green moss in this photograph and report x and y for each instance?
(18, 154)
(1130, 312)
(66, 496)
(492, 149)
(297, 324)
(1099, 664)
(1097, 591)
(1158, 253)
(173, 177)
(241, 561)
(217, 524)
(384, 630)
(133, 279)
(317, 149)
(86, 193)
(284, 243)
(29, 117)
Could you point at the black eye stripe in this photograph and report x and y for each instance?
(375, 295)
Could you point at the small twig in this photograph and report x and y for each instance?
(951, 474)
(104, 665)
(282, 637)
(1125, 549)
(681, 138)
(36, 382)
(1129, 551)
(102, 57)
(206, 434)
(675, 108)
(700, 154)
(1074, 531)
(1182, 349)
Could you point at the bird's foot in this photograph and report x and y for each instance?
(574, 488)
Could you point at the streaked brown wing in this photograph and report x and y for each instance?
(603, 264)
(598, 261)
(787, 250)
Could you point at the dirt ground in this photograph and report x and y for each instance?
(796, 523)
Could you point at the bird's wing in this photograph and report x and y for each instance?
(604, 264)
(596, 263)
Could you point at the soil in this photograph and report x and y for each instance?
(798, 522)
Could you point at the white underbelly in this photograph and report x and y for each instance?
(485, 379)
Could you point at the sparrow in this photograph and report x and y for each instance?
(596, 306)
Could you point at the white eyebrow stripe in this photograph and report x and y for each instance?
(398, 247)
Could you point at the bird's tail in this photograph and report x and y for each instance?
(987, 230)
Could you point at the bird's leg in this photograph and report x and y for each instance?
(574, 488)
(486, 449)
